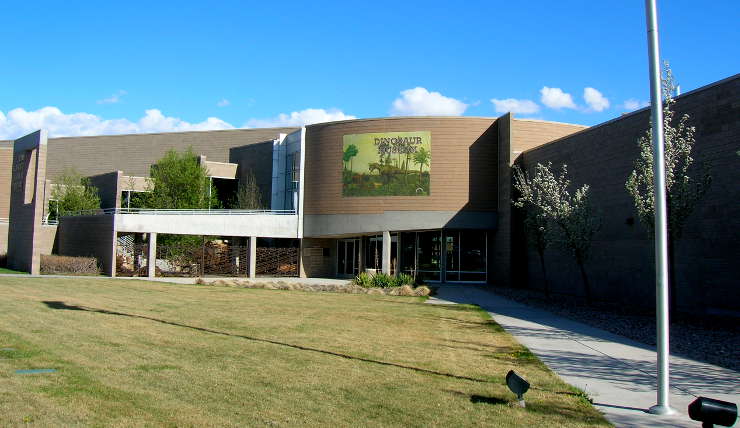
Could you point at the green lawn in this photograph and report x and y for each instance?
(6, 270)
(134, 353)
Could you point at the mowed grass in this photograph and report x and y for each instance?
(135, 353)
(6, 270)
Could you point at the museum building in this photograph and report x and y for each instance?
(427, 196)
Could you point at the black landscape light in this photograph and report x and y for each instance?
(713, 412)
(517, 385)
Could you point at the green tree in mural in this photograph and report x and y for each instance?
(422, 158)
(350, 152)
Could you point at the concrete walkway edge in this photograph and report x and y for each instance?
(619, 374)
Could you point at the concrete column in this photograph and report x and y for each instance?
(152, 258)
(252, 256)
(386, 266)
(361, 255)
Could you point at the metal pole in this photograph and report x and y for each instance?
(661, 216)
(210, 184)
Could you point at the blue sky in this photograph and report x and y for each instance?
(86, 68)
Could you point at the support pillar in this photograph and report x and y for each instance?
(386, 266)
(152, 257)
(252, 256)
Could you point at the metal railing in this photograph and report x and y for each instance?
(152, 211)
(48, 222)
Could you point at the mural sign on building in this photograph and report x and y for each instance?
(387, 164)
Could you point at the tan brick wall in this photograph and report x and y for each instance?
(6, 172)
(27, 202)
(314, 264)
(528, 134)
(3, 239)
(47, 239)
(133, 154)
(462, 172)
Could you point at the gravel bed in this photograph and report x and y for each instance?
(715, 341)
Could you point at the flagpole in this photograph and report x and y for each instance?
(661, 218)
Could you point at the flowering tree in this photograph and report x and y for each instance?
(682, 191)
(566, 219)
(536, 225)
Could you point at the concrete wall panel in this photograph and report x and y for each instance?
(89, 236)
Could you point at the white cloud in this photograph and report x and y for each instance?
(633, 104)
(515, 106)
(113, 98)
(421, 102)
(595, 100)
(557, 99)
(19, 122)
(308, 116)
(223, 102)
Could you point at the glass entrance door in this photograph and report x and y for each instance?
(348, 257)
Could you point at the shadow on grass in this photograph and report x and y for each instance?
(486, 400)
(64, 306)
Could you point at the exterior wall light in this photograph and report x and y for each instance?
(710, 412)
(517, 385)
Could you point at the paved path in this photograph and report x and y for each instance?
(617, 373)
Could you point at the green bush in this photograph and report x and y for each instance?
(72, 193)
(363, 280)
(382, 280)
(405, 279)
(179, 182)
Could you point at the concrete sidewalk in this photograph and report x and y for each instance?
(617, 373)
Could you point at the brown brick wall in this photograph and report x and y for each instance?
(133, 154)
(258, 159)
(463, 152)
(621, 267)
(109, 188)
(88, 236)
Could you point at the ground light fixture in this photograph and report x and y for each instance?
(713, 412)
(517, 385)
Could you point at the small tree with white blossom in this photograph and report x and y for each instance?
(567, 219)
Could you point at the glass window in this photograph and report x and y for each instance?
(429, 255)
(473, 251)
(374, 252)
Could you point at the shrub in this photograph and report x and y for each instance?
(405, 279)
(422, 291)
(363, 280)
(52, 264)
(72, 193)
(405, 290)
(382, 280)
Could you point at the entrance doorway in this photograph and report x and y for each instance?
(348, 257)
